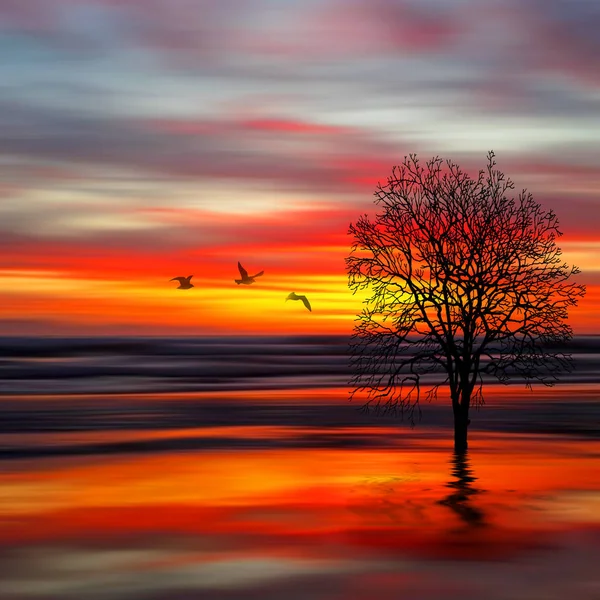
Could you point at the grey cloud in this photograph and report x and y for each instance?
(225, 149)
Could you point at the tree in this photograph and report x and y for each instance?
(463, 280)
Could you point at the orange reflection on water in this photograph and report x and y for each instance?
(509, 469)
(385, 514)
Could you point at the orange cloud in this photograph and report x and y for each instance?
(123, 284)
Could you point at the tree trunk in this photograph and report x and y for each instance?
(461, 421)
(461, 425)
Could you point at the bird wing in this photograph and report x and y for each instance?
(189, 278)
(243, 271)
(258, 274)
(180, 279)
(306, 302)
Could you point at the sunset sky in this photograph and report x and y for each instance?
(147, 139)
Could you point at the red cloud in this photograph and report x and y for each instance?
(291, 126)
(260, 124)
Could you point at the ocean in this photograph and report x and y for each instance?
(237, 467)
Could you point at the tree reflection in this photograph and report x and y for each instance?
(461, 499)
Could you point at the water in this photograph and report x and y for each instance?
(149, 484)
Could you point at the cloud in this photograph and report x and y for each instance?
(286, 126)
(566, 35)
(161, 130)
(76, 174)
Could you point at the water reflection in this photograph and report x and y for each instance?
(389, 500)
(305, 523)
(461, 499)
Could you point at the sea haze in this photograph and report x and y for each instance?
(70, 396)
(54, 365)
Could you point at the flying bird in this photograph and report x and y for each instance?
(246, 280)
(294, 296)
(184, 282)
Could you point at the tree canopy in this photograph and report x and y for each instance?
(463, 279)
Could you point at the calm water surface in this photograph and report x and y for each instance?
(519, 517)
(290, 493)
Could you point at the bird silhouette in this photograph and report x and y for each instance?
(246, 279)
(184, 282)
(294, 296)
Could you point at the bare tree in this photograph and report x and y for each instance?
(464, 280)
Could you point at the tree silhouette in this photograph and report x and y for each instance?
(463, 279)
